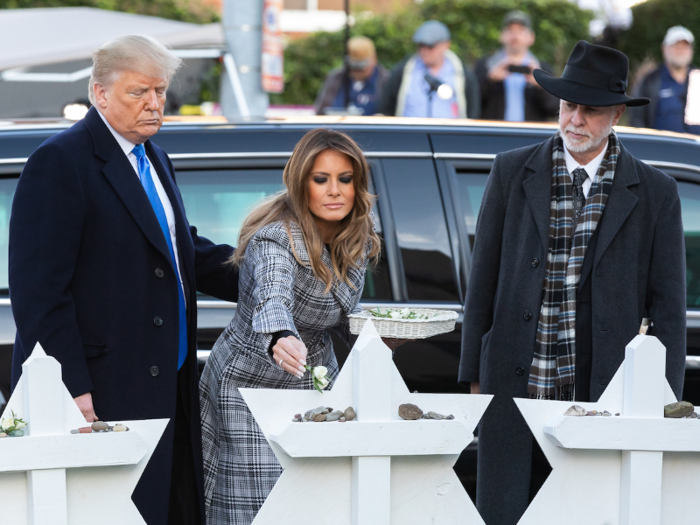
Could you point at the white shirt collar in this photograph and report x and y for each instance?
(124, 144)
(591, 168)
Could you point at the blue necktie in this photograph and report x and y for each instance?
(147, 181)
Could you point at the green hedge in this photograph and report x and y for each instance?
(475, 27)
(651, 21)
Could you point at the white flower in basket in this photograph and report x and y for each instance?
(406, 323)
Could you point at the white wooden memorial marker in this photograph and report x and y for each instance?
(638, 468)
(53, 477)
(378, 469)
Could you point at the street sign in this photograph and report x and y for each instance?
(272, 48)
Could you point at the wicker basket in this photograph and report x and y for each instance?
(440, 322)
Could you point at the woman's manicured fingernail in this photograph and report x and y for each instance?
(302, 369)
(303, 362)
(300, 375)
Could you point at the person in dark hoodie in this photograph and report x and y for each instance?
(366, 79)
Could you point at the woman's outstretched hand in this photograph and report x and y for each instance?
(290, 354)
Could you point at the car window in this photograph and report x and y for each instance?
(217, 202)
(7, 192)
(421, 229)
(690, 209)
(471, 192)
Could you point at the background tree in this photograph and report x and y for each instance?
(475, 26)
(193, 11)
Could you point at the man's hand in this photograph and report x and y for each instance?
(84, 403)
(531, 77)
(393, 344)
(475, 388)
(290, 354)
(499, 72)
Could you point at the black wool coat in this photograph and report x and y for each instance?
(92, 280)
(637, 270)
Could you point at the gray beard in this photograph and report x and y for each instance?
(585, 145)
(678, 63)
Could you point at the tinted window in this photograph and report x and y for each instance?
(690, 209)
(421, 230)
(217, 202)
(7, 192)
(471, 192)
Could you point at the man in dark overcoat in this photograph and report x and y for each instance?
(576, 242)
(104, 270)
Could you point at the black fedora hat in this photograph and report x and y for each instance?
(594, 76)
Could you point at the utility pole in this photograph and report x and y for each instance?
(346, 74)
(242, 94)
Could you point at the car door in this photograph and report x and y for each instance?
(428, 261)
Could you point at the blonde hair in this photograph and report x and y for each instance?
(292, 205)
(131, 53)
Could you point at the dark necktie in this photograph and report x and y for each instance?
(150, 187)
(579, 175)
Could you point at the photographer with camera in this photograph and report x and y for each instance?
(508, 89)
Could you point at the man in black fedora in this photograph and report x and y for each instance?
(576, 242)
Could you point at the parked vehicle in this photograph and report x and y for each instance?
(429, 176)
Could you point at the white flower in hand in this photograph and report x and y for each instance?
(320, 372)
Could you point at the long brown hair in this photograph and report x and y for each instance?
(292, 205)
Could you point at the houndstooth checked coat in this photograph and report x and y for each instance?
(276, 293)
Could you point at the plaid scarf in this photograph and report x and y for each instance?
(553, 368)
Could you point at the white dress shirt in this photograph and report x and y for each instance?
(591, 168)
(127, 148)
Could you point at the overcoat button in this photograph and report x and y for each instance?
(519, 370)
(535, 263)
(154, 371)
(527, 315)
(159, 273)
(158, 321)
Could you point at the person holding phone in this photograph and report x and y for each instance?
(508, 88)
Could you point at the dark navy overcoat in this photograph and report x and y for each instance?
(92, 280)
(637, 270)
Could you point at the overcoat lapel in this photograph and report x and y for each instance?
(538, 188)
(621, 202)
(121, 176)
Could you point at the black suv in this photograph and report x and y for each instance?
(429, 176)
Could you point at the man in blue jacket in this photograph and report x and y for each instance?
(667, 86)
(104, 270)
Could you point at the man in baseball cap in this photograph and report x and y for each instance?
(577, 241)
(415, 88)
(508, 89)
(667, 86)
(365, 79)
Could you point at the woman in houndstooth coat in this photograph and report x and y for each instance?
(302, 258)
